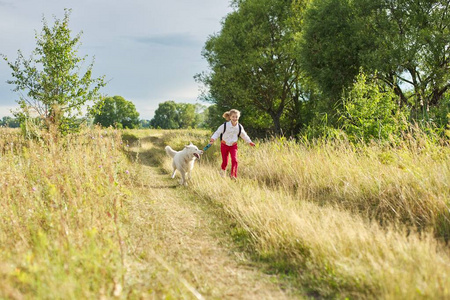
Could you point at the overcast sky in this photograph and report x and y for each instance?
(149, 50)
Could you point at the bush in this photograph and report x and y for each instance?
(370, 111)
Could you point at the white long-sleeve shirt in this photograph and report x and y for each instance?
(231, 134)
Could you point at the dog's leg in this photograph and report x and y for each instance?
(183, 178)
(189, 170)
(174, 167)
(188, 177)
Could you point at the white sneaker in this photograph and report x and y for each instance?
(223, 173)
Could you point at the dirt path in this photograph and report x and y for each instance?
(182, 244)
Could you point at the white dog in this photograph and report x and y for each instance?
(183, 161)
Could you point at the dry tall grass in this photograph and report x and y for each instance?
(60, 217)
(79, 221)
(309, 210)
(337, 220)
(406, 185)
(65, 210)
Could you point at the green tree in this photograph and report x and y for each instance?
(213, 116)
(165, 116)
(52, 85)
(144, 124)
(200, 115)
(252, 61)
(370, 112)
(9, 122)
(116, 111)
(418, 44)
(186, 115)
(407, 42)
(329, 46)
(171, 115)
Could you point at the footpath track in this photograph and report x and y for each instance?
(178, 238)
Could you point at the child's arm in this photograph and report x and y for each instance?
(246, 138)
(216, 134)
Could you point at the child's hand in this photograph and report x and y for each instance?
(211, 141)
(252, 144)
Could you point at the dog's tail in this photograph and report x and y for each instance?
(170, 151)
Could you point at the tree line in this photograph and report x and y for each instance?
(306, 66)
(10, 122)
(310, 68)
(120, 113)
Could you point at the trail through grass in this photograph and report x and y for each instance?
(97, 215)
(183, 235)
(80, 220)
(330, 250)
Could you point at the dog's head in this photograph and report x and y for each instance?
(192, 149)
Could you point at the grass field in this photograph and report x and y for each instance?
(82, 218)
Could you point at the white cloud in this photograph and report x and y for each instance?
(6, 110)
(147, 49)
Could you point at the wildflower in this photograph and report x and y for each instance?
(127, 172)
(34, 189)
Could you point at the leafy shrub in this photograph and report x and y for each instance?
(370, 111)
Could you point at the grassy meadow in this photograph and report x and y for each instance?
(329, 219)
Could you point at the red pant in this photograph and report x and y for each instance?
(232, 150)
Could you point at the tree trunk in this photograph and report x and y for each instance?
(276, 116)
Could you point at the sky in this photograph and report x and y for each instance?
(149, 50)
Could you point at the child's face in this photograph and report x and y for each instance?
(234, 118)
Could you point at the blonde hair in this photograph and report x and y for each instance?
(228, 114)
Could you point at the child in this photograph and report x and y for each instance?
(229, 133)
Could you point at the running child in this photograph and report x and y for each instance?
(229, 133)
